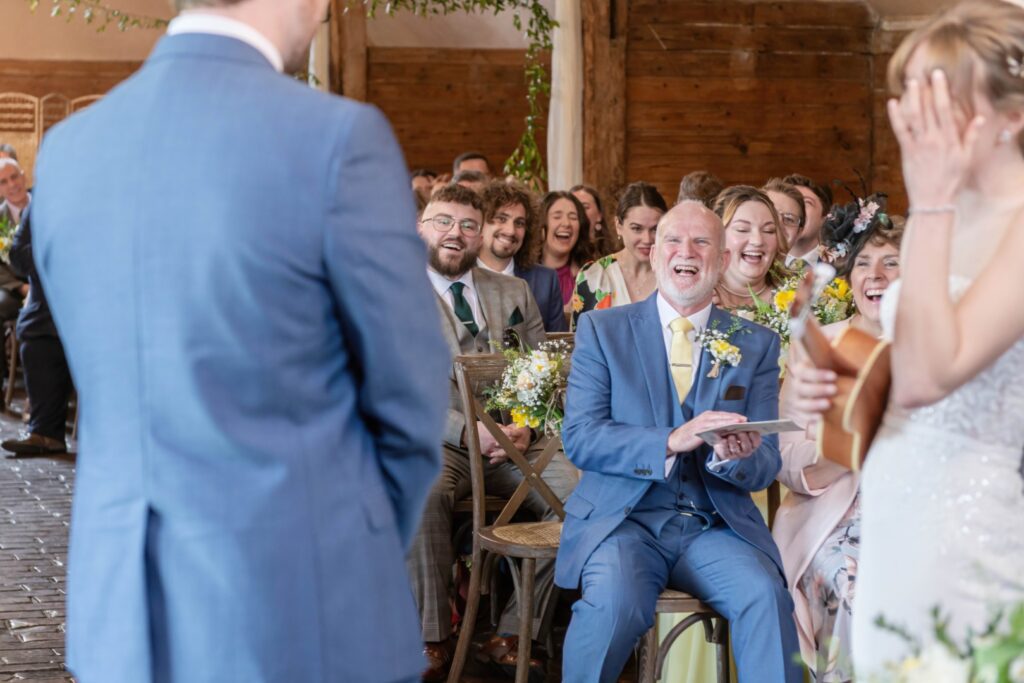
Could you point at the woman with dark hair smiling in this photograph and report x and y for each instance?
(566, 245)
(625, 276)
(604, 236)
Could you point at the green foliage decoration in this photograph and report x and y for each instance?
(526, 162)
(99, 14)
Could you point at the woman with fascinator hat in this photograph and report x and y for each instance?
(941, 491)
(817, 528)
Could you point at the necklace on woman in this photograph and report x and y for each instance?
(743, 295)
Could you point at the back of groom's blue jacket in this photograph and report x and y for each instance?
(232, 262)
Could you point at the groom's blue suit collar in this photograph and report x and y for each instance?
(650, 345)
(207, 46)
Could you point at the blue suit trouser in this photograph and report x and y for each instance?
(622, 579)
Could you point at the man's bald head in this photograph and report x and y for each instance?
(689, 255)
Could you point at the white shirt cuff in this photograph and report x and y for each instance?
(715, 463)
(669, 461)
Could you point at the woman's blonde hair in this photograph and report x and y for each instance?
(974, 38)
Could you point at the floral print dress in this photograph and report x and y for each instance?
(599, 284)
(828, 583)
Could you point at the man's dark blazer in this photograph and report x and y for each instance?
(544, 285)
(35, 319)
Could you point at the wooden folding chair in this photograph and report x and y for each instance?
(523, 541)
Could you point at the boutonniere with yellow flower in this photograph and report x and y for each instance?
(717, 343)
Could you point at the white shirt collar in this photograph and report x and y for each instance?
(442, 284)
(203, 22)
(810, 257)
(667, 314)
(510, 269)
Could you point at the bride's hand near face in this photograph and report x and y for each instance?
(935, 147)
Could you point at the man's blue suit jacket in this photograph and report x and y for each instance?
(232, 263)
(621, 407)
(548, 293)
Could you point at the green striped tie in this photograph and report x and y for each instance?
(462, 310)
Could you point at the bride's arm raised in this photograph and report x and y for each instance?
(939, 345)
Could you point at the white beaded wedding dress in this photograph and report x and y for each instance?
(942, 496)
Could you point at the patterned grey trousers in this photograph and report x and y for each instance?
(431, 557)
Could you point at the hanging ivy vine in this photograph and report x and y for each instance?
(526, 162)
(99, 14)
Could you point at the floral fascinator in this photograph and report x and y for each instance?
(848, 226)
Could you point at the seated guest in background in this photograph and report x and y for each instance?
(423, 181)
(47, 378)
(702, 186)
(511, 243)
(657, 507)
(566, 243)
(756, 247)
(477, 307)
(605, 238)
(8, 151)
(817, 527)
(817, 202)
(789, 204)
(474, 180)
(14, 199)
(471, 161)
(626, 276)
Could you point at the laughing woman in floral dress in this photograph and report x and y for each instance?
(817, 528)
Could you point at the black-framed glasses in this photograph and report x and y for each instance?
(790, 220)
(443, 223)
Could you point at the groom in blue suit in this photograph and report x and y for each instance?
(657, 507)
(261, 371)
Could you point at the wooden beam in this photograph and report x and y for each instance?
(348, 50)
(605, 24)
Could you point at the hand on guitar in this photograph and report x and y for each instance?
(733, 447)
(807, 392)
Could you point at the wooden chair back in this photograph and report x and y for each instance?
(473, 373)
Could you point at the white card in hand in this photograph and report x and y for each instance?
(714, 436)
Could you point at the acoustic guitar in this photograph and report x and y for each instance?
(862, 364)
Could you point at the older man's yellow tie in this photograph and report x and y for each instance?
(680, 357)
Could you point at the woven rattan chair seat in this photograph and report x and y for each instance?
(528, 539)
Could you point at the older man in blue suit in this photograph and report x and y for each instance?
(657, 506)
(257, 352)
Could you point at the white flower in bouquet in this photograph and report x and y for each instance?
(525, 381)
(936, 664)
(1017, 670)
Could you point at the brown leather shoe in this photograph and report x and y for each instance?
(35, 444)
(439, 660)
(503, 652)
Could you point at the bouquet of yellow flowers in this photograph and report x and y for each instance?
(835, 304)
(532, 388)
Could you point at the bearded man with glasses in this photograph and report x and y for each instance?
(478, 308)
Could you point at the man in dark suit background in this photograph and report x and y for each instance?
(511, 244)
(47, 378)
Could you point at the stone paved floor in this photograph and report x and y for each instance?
(35, 504)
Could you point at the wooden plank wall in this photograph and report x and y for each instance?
(887, 175)
(448, 101)
(748, 90)
(68, 78)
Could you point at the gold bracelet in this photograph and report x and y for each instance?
(931, 210)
